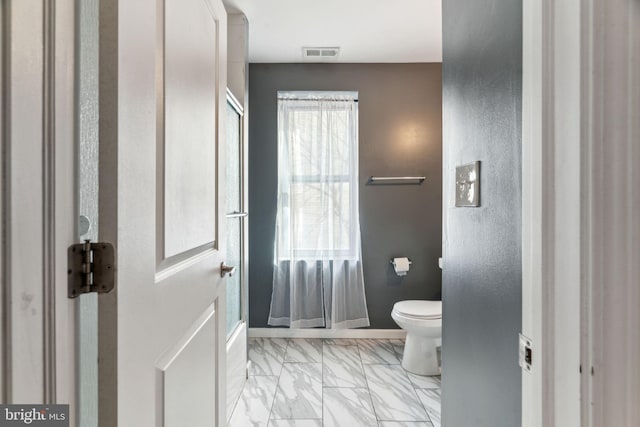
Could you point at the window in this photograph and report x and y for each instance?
(317, 275)
(318, 175)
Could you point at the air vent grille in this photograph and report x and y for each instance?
(320, 53)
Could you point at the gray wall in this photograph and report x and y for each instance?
(482, 280)
(400, 113)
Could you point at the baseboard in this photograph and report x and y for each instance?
(326, 333)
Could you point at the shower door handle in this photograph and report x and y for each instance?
(226, 269)
(237, 214)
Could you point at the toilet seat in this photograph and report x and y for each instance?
(419, 310)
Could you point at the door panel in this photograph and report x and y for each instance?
(161, 204)
(185, 365)
(189, 114)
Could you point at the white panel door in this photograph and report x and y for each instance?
(162, 105)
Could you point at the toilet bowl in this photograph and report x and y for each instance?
(423, 322)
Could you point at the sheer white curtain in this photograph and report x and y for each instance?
(318, 279)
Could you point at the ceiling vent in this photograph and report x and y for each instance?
(320, 53)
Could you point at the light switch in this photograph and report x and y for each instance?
(468, 185)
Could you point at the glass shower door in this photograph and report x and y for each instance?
(235, 216)
(236, 239)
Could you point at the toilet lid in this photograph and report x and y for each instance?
(419, 309)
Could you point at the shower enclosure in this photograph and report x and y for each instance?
(236, 250)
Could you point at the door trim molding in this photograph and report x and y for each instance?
(611, 205)
(551, 212)
(108, 221)
(581, 205)
(48, 203)
(183, 261)
(45, 224)
(4, 198)
(37, 207)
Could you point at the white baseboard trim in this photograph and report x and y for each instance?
(326, 333)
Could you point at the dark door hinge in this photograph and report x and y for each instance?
(91, 268)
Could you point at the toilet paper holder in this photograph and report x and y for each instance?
(391, 261)
(401, 265)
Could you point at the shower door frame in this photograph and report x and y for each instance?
(237, 339)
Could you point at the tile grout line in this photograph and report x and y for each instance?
(415, 391)
(322, 384)
(307, 361)
(425, 408)
(366, 381)
(413, 386)
(273, 401)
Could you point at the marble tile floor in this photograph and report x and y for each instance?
(334, 383)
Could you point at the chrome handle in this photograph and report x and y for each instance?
(237, 215)
(224, 269)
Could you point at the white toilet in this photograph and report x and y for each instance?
(423, 322)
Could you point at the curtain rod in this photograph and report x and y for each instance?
(316, 95)
(315, 99)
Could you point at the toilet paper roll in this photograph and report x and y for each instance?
(401, 266)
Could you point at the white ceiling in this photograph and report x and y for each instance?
(365, 30)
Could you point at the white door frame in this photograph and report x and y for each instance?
(611, 249)
(551, 211)
(38, 206)
(3, 237)
(581, 212)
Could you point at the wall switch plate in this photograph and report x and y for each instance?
(525, 353)
(468, 185)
